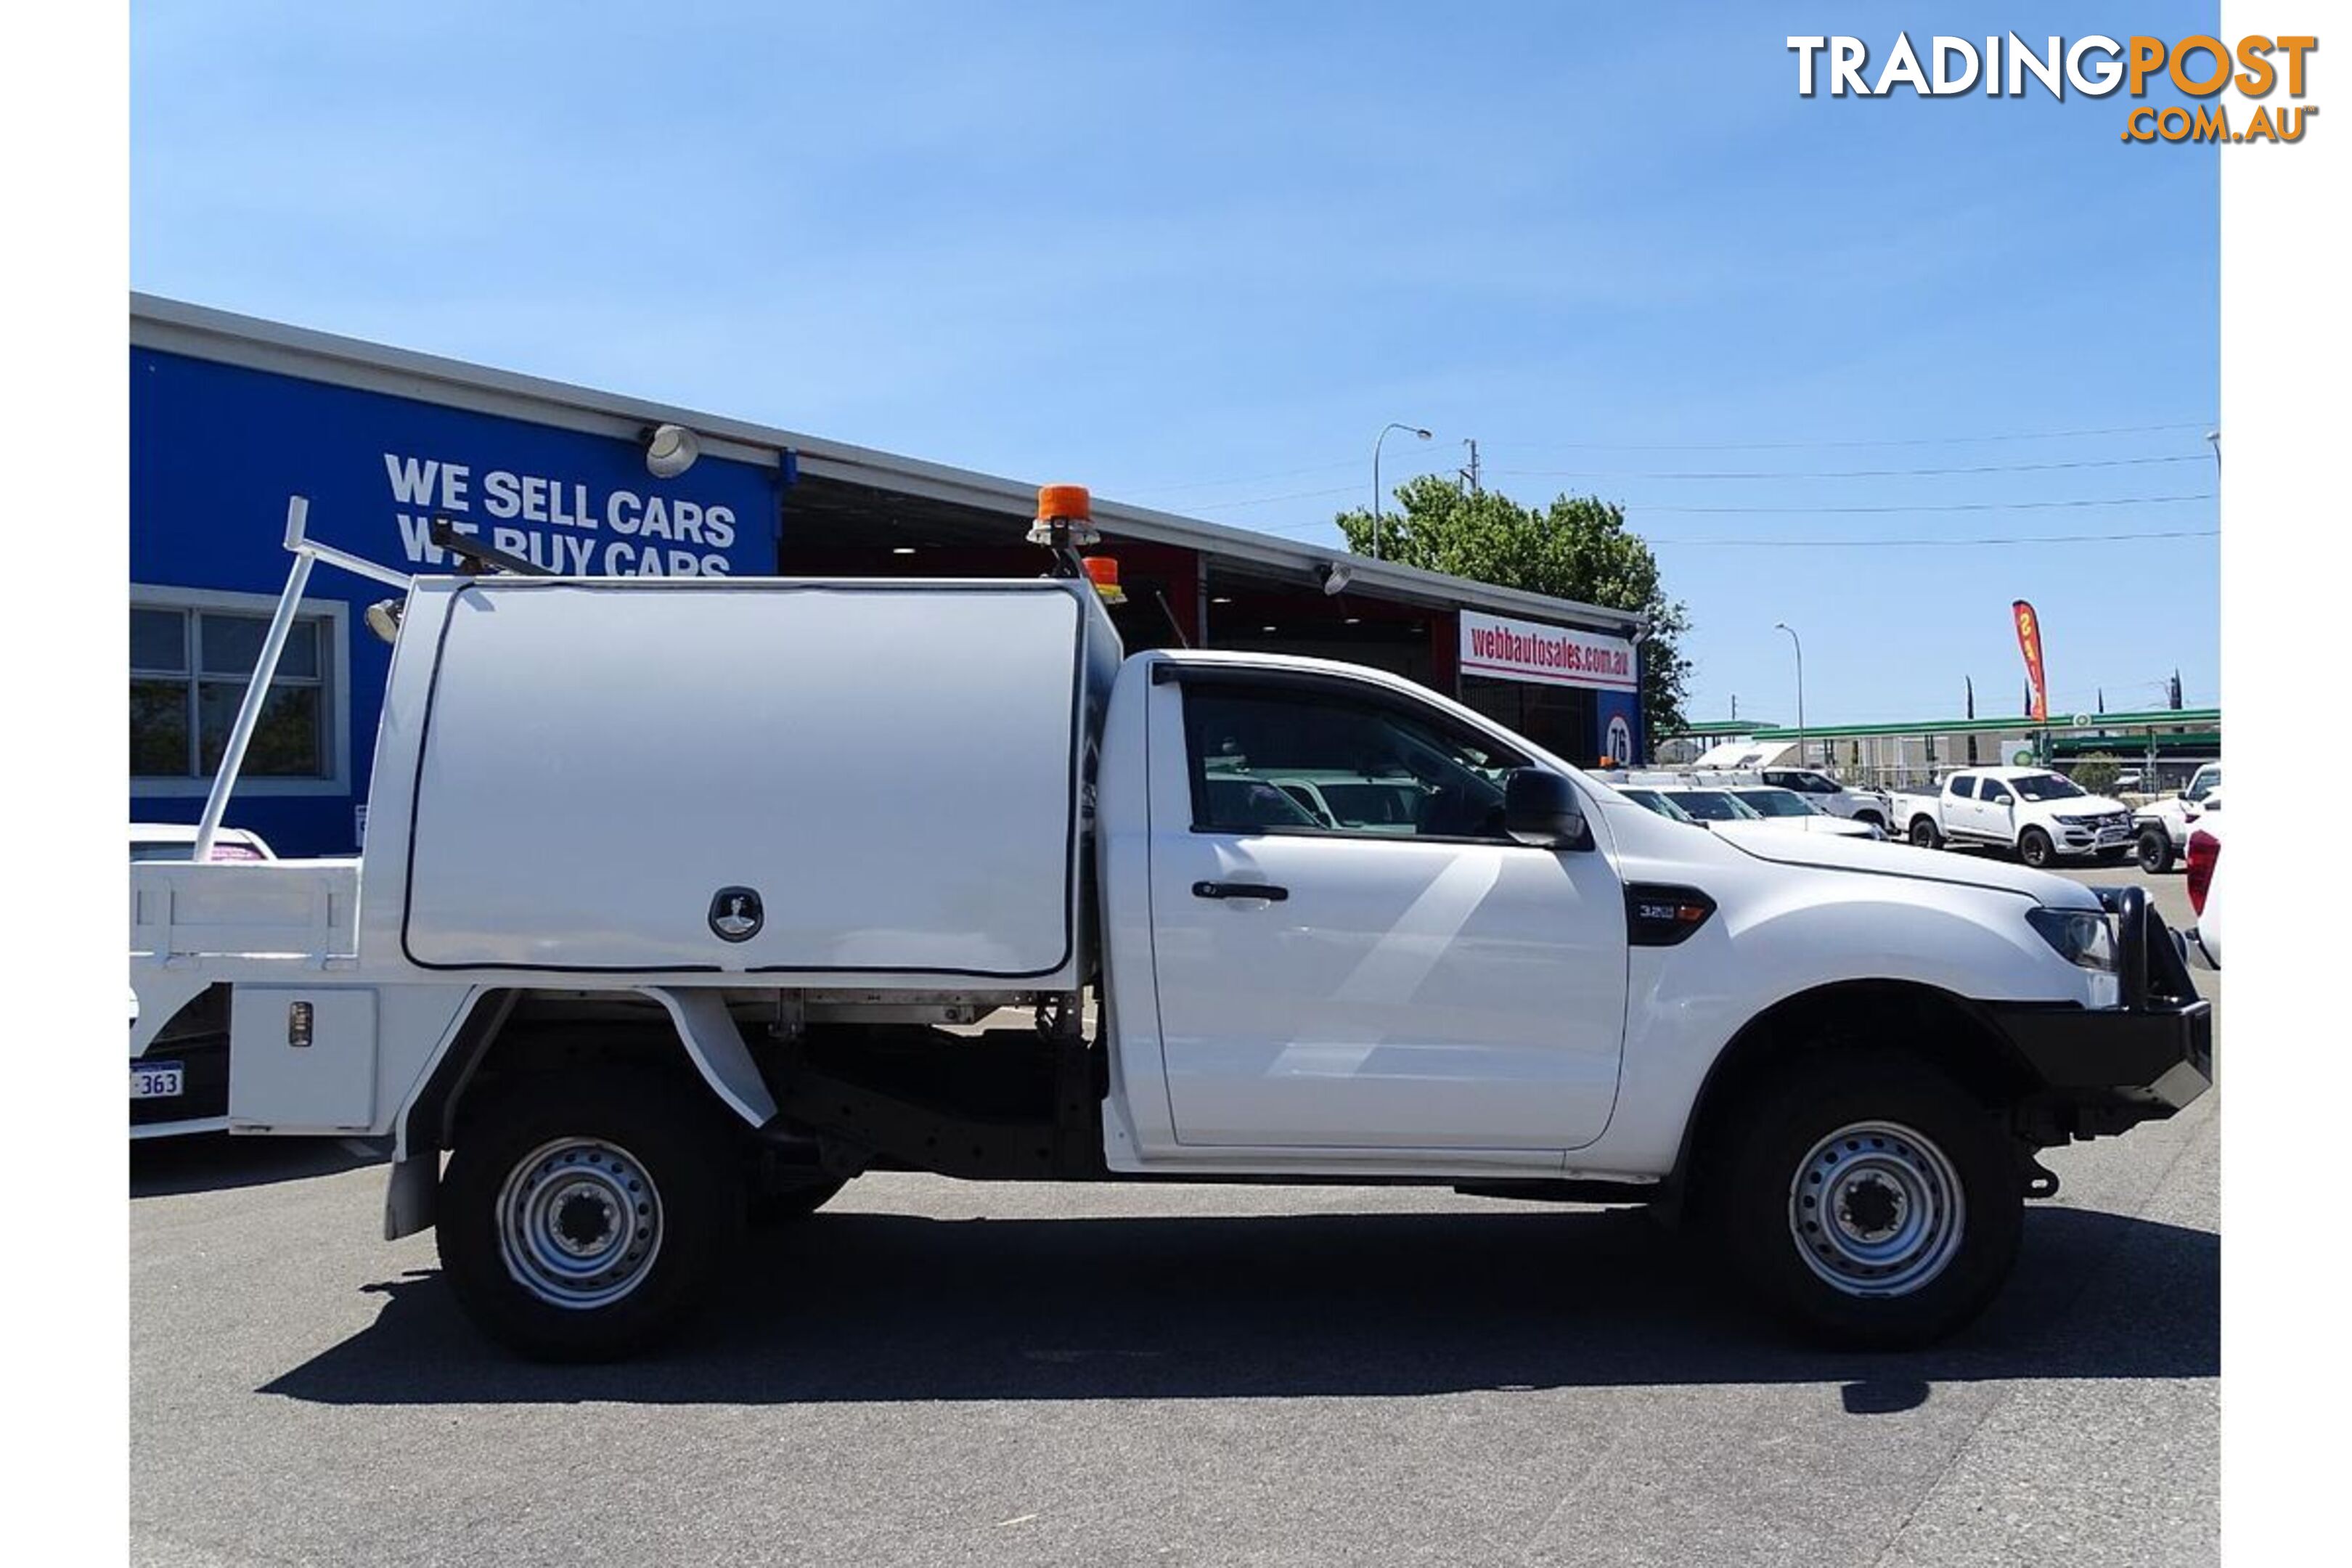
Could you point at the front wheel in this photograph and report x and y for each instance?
(1923, 834)
(1871, 1202)
(2156, 851)
(582, 1220)
(2033, 847)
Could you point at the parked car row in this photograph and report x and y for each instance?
(2039, 815)
(1710, 798)
(2042, 816)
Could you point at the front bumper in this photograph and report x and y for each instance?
(2084, 839)
(2101, 1070)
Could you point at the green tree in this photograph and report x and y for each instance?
(1576, 548)
(2097, 773)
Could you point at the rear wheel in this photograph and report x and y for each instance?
(582, 1220)
(2155, 851)
(2033, 847)
(1871, 1201)
(1923, 834)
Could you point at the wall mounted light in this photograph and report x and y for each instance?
(670, 450)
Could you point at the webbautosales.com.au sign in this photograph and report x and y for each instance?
(1554, 655)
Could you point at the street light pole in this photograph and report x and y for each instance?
(1384, 436)
(1785, 626)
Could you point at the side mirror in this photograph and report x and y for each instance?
(1544, 809)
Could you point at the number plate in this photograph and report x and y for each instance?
(157, 1080)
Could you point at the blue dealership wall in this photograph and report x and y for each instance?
(216, 449)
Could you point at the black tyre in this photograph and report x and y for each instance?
(582, 1219)
(1924, 833)
(2154, 850)
(1869, 1201)
(1873, 818)
(777, 1206)
(2033, 847)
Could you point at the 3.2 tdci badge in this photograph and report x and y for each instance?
(736, 914)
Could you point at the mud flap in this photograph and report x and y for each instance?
(408, 1195)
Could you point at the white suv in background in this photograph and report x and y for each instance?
(2038, 813)
(1870, 806)
(2163, 827)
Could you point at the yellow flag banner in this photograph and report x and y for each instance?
(2029, 643)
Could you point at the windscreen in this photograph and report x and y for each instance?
(1651, 800)
(1713, 805)
(2047, 786)
(1776, 802)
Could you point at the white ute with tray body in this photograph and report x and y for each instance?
(680, 897)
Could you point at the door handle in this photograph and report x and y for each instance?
(1265, 891)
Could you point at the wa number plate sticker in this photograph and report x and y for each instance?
(156, 1080)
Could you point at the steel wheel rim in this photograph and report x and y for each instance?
(1875, 1209)
(580, 1222)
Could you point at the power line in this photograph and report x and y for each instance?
(2199, 424)
(1862, 473)
(1295, 495)
(1752, 541)
(1945, 543)
(1632, 508)
(1243, 479)
(1889, 441)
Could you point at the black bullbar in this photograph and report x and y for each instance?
(2105, 1070)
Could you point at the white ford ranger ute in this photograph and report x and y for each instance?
(681, 899)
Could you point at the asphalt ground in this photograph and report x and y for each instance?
(934, 1372)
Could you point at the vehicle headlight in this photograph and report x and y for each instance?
(2086, 938)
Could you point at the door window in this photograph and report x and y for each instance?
(1263, 757)
(1964, 787)
(1996, 792)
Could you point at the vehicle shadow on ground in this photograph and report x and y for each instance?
(854, 1306)
(214, 1161)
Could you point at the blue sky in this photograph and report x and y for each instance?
(1196, 255)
